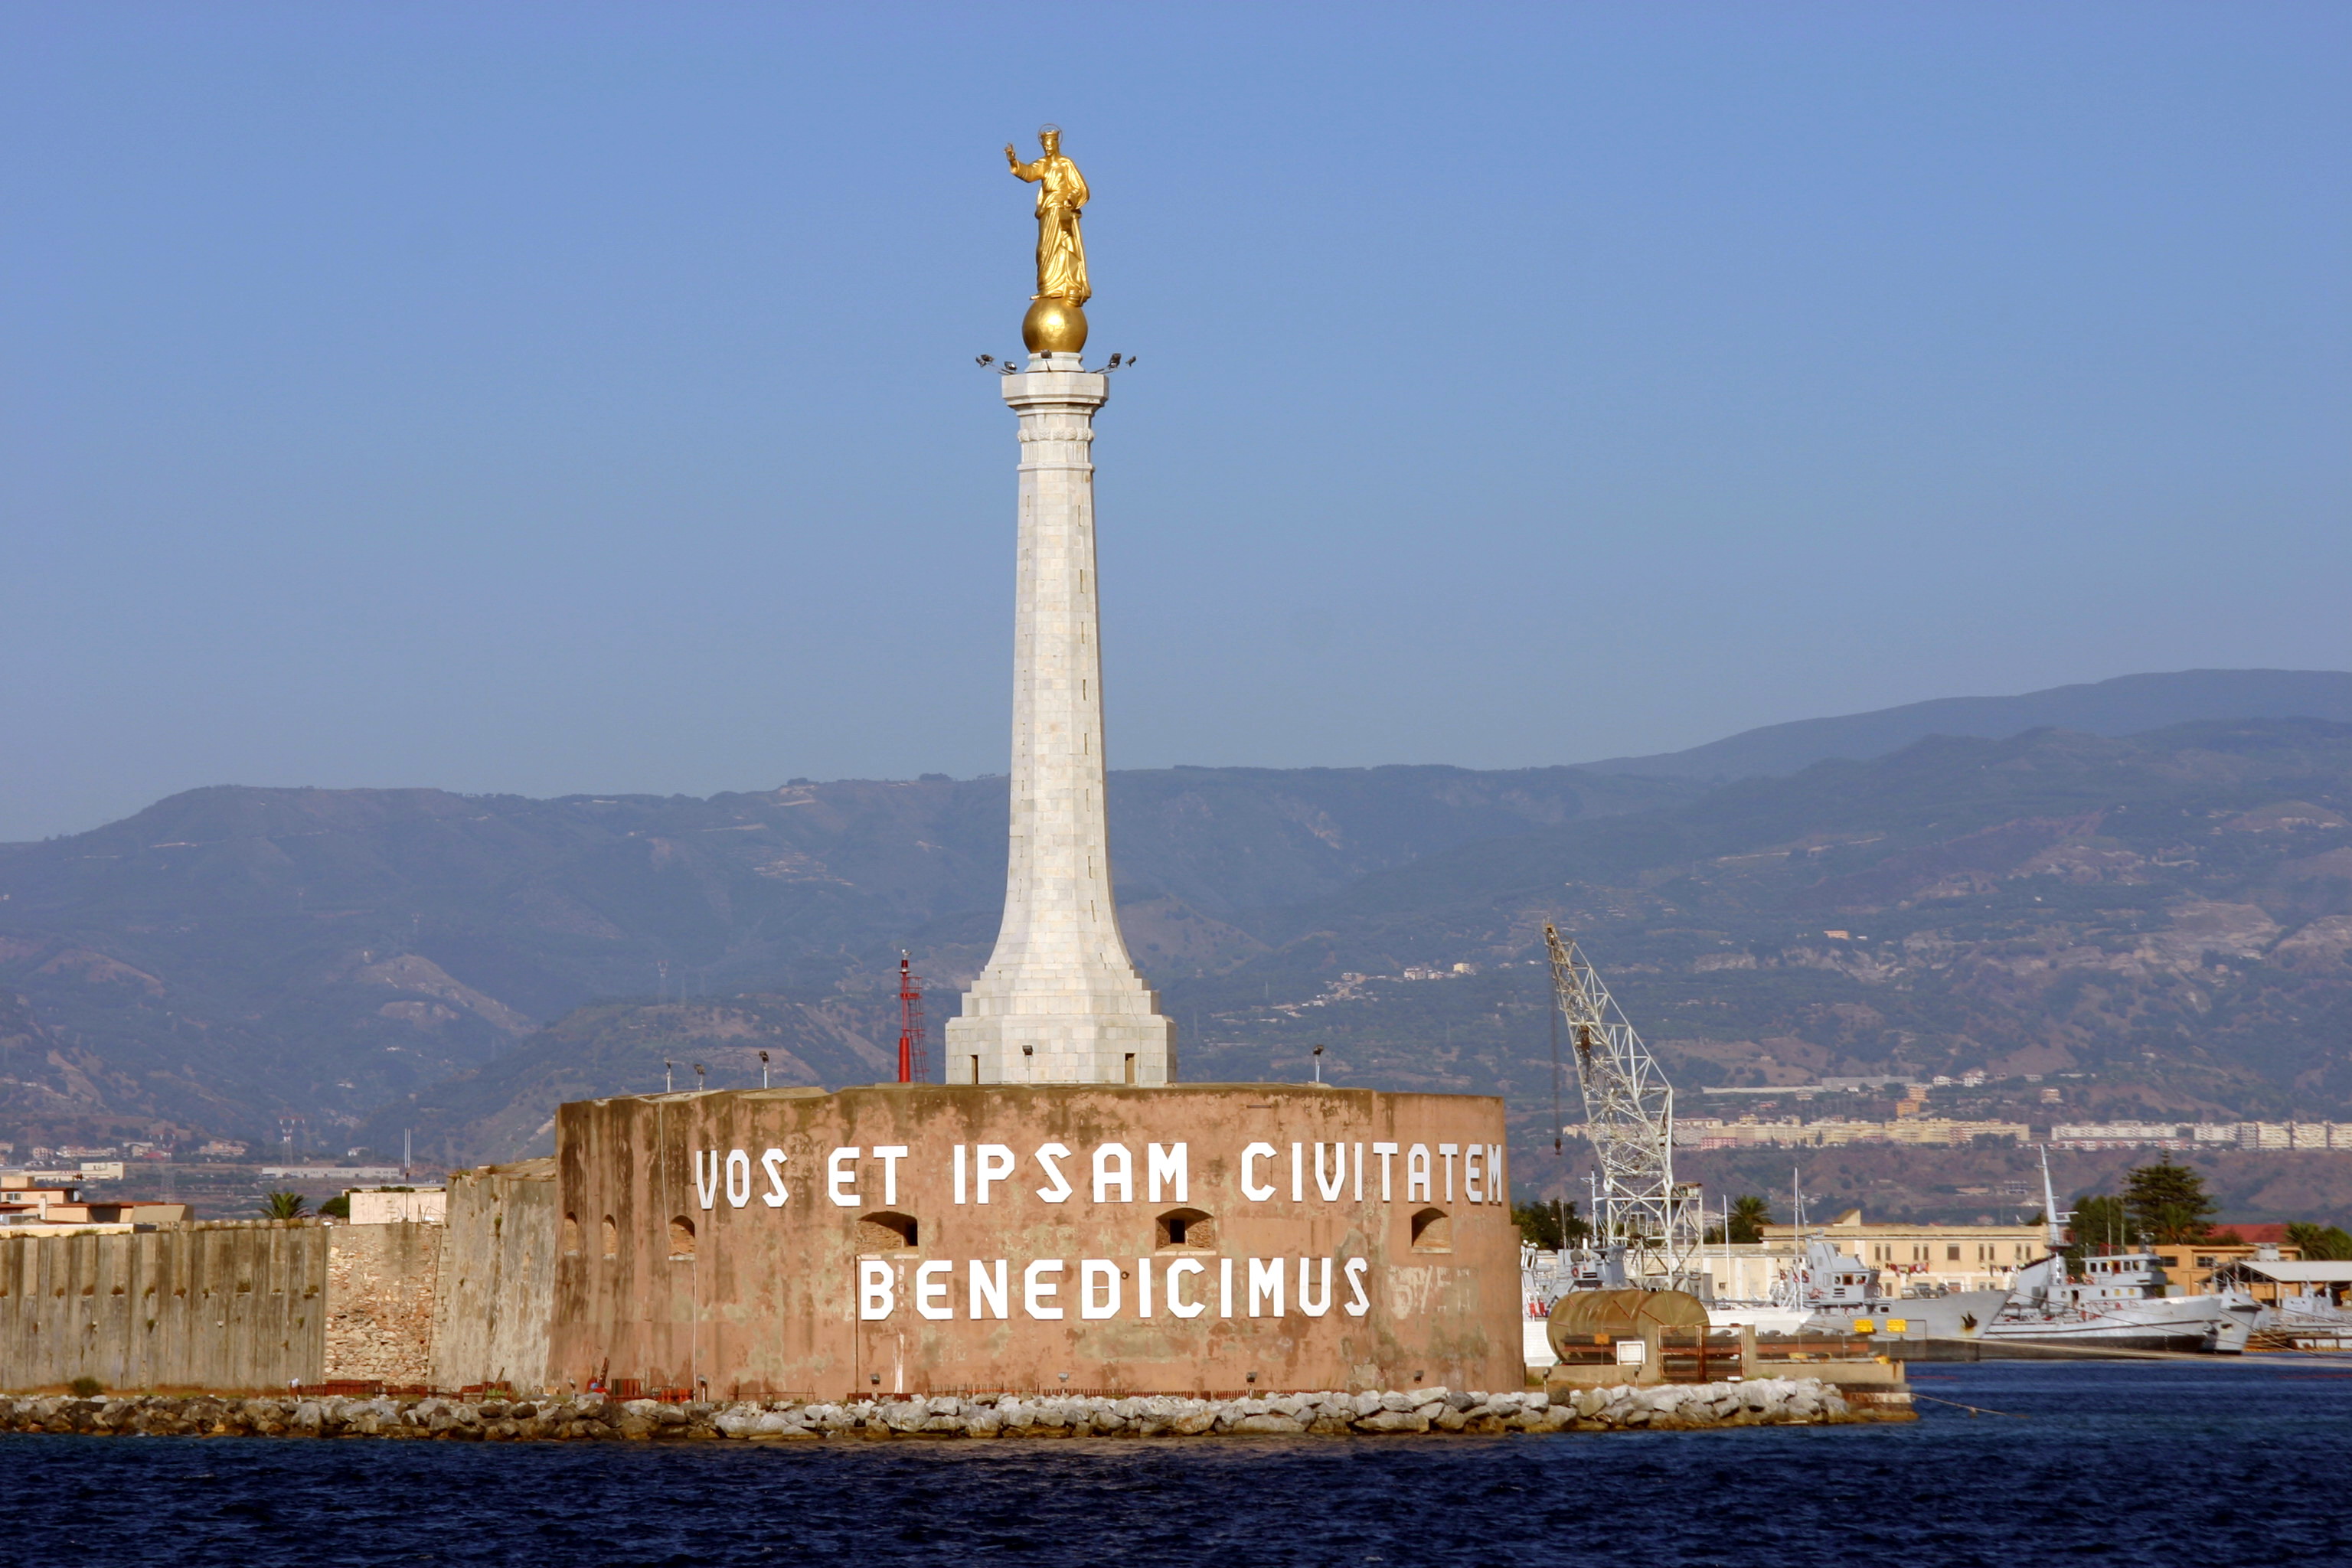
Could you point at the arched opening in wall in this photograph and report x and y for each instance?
(681, 1238)
(1432, 1231)
(1184, 1230)
(884, 1231)
(570, 1235)
(612, 1237)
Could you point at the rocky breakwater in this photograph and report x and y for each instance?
(1668, 1408)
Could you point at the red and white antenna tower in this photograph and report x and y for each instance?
(914, 1061)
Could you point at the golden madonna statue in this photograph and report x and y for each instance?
(1056, 322)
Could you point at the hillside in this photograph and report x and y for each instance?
(2161, 923)
(232, 957)
(2158, 922)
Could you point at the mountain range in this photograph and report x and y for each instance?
(2124, 706)
(2157, 915)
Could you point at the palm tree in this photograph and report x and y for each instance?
(1750, 1216)
(283, 1206)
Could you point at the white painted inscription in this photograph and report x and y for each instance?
(1318, 1173)
(856, 1176)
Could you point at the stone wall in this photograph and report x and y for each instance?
(928, 1239)
(497, 1277)
(381, 1287)
(236, 1305)
(253, 1305)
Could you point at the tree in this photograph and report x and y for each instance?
(2100, 1223)
(336, 1207)
(1750, 1216)
(2168, 1202)
(1550, 1224)
(283, 1206)
(2321, 1243)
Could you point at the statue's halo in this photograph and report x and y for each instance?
(1048, 128)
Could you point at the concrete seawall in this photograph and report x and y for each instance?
(242, 1306)
(234, 1305)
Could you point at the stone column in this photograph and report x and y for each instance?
(1060, 1001)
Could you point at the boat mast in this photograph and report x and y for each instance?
(2054, 1227)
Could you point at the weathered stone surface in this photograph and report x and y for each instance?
(1392, 1421)
(1268, 1423)
(221, 1304)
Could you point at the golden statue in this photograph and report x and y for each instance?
(1055, 323)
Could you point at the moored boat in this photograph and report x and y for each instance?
(2120, 1303)
(2123, 1301)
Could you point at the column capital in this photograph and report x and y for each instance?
(1057, 391)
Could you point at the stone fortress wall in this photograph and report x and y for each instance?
(496, 1273)
(928, 1239)
(883, 1241)
(381, 1285)
(253, 1305)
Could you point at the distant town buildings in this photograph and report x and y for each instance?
(402, 1205)
(2202, 1135)
(1914, 1259)
(1957, 1257)
(1755, 1132)
(347, 1174)
(31, 1205)
(1749, 1132)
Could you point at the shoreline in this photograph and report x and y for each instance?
(594, 1419)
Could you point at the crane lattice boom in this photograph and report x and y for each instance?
(1629, 1116)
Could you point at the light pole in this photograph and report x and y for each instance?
(1318, 1064)
(763, 1069)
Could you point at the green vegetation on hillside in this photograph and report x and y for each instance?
(2157, 926)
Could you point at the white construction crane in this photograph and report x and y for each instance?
(1647, 1225)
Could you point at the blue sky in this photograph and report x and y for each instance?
(555, 398)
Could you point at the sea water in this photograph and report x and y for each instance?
(2173, 1463)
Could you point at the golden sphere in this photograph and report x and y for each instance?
(1054, 326)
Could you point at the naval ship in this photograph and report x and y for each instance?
(2122, 1302)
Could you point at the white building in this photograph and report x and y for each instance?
(425, 1205)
